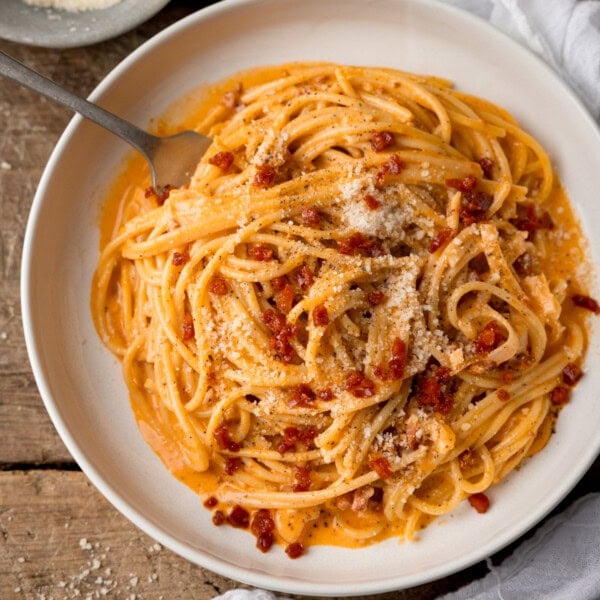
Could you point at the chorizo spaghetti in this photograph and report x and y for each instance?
(367, 306)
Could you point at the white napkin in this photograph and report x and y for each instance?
(561, 561)
(565, 33)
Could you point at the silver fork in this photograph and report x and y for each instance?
(172, 159)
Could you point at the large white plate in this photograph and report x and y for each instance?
(80, 381)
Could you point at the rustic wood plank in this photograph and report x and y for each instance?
(28, 436)
(30, 130)
(62, 539)
(31, 126)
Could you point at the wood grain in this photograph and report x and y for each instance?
(60, 537)
(84, 547)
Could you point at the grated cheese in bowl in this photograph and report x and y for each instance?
(73, 5)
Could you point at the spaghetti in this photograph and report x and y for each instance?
(365, 307)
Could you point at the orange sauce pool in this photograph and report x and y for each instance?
(187, 113)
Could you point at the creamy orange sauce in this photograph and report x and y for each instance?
(568, 256)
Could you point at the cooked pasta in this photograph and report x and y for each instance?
(367, 306)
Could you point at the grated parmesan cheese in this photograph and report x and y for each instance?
(272, 150)
(394, 215)
(73, 5)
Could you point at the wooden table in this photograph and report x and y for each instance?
(60, 537)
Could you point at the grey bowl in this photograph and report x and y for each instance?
(51, 28)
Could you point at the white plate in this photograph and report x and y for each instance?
(80, 381)
(51, 28)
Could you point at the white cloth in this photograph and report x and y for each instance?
(565, 33)
(561, 561)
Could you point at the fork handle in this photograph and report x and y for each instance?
(138, 138)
